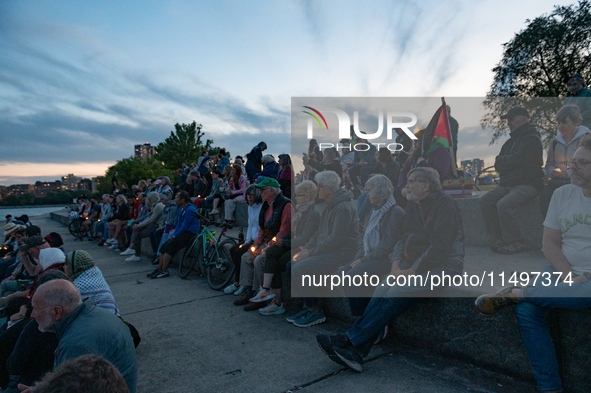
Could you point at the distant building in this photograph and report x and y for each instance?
(144, 151)
(43, 187)
(18, 190)
(70, 182)
(84, 185)
(472, 167)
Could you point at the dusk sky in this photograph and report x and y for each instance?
(82, 82)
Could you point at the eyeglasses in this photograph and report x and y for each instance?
(579, 164)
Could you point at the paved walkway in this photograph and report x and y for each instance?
(195, 340)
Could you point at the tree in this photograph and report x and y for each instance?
(183, 145)
(131, 170)
(534, 64)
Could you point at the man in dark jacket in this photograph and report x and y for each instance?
(84, 329)
(521, 179)
(432, 242)
(253, 165)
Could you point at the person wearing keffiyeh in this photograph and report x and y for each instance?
(89, 280)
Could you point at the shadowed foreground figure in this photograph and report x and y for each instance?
(87, 373)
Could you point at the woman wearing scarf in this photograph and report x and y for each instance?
(304, 224)
(382, 232)
(89, 280)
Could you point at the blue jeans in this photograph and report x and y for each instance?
(360, 296)
(387, 304)
(532, 317)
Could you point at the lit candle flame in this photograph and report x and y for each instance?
(253, 249)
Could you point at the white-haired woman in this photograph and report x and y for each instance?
(303, 226)
(561, 151)
(270, 168)
(335, 241)
(382, 232)
(255, 202)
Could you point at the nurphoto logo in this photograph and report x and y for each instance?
(344, 121)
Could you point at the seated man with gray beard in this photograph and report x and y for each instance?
(432, 241)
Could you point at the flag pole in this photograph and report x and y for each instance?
(454, 164)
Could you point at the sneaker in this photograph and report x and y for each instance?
(326, 343)
(240, 291)
(230, 289)
(129, 251)
(253, 306)
(310, 319)
(242, 301)
(162, 274)
(133, 258)
(113, 246)
(497, 244)
(513, 248)
(350, 357)
(297, 315)
(262, 296)
(214, 212)
(153, 274)
(272, 309)
(491, 303)
(101, 243)
(90, 239)
(111, 241)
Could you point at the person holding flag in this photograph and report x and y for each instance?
(432, 149)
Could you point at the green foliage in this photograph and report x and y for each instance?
(183, 145)
(52, 198)
(534, 64)
(130, 171)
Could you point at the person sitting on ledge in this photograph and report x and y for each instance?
(567, 247)
(432, 242)
(520, 169)
(186, 228)
(334, 244)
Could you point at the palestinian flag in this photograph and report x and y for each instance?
(438, 134)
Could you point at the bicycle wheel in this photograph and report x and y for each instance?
(221, 270)
(190, 257)
(74, 228)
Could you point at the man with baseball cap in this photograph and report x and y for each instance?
(274, 225)
(579, 96)
(521, 179)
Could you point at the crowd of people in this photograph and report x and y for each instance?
(403, 224)
(58, 312)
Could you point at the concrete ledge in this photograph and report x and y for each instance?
(529, 217)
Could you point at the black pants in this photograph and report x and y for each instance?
(276, 260)
(236, 252)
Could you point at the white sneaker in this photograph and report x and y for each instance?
(111, 241)
(214, 212)
(113, 246)
(129, 251)
(133, 258)
(240, 291)
(230, 289)
(272, 309)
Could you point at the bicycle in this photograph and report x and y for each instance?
(212, 253)
(75, 226)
